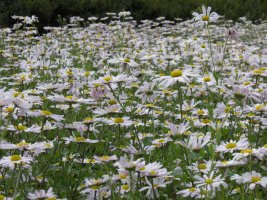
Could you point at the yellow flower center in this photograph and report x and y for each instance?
(230, 145)
(152, 172)
(159, 112)
(69, 97)
(142, 168)
(95, 187)
(107, 78)
(104, 158)
(52, 198)
(21, 127)
(161, 140)
(225, 162)
(176, 73)
(227, 109)
(207, 79)
(166, 91)
(192, 189)
(46, 112)
(97, 182)
(16, 94)
(259, 107)
(202, 166)
(9, 109)
(88, 120)
(209, 181)
(87, 160)
(206, 121)
(205, 18)
(125, 187)
(265, 146)
(15, 158)
(112, 102)
(200, 112)
(259, 90)
(118, 120)
(2, 197)
(69, 73)
(250, 115)
(80, 139)
(257, 71)
(248, 151)
(127, 60)
(255, 179)
(39, 177)
(22, 144)
(86, 73)
(155, 185)
(48, 145)
(122, 176)
(22, 77)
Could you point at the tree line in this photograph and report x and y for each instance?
(49, 10)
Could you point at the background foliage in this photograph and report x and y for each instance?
(48, 10)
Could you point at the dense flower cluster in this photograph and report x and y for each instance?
(120, 110)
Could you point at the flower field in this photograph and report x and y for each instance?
(114, 109)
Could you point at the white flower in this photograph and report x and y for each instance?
(196, 141)
(40, 194)
(261, 152)
(203, 167)
(205, 17)
(48, 114)
(80, 139)
(22, 128)
(107, 110)
(222, 110)
(231, 34)
(190, 192)
(161, 141)
(176, 76)
(146, 92)
(245, 153)
(210, 182)
(125, 164)
(124, 13)
(152, 188)
(35, 148)
(232, 145)
(105, 159)
(93, 184)
(178, 130)
(11, 161)
(153, 170)
(207, 80)
(229, 163)
(124, 121)
(253, 178)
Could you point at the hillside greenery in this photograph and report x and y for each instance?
(48, 10)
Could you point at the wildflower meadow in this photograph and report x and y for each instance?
(111, 108)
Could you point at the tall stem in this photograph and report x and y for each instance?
(209, 39)
(180, 95)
